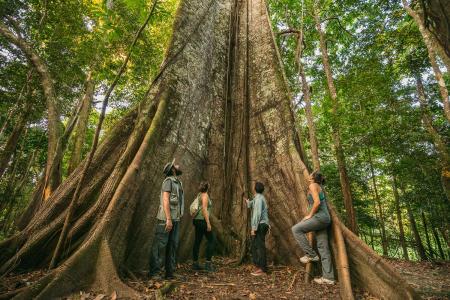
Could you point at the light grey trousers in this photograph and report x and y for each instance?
(320, 228)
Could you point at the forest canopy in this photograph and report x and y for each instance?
(367, 84)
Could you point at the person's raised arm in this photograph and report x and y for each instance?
(166, 206)
(205, 210)
(315, 189)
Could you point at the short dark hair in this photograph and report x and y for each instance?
(203, 187)
(259, 187)
(318, 177)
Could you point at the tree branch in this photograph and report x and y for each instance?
(340, 25)
(289, 31)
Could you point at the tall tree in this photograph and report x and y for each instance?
(399, 218)
(340, 156)
(114, 227)
(82, 124)
(439, 143)
(432, 44)
(54, 123)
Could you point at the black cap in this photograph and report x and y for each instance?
(168, 167)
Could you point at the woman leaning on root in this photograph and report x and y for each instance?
(317, 220)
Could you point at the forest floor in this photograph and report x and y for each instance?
(432, 280)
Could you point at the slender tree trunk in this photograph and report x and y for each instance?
(417, 238)
(441, 83)
(82, 125)
(13, 139)
(307, 98)
(427, 236)
(438, 241)
(384, 242)
(399, 218)
(433, 46)
(5, 123)
(54, 123)
(372, 238)
(340, 156)
(441, 147)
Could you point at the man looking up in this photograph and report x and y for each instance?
(171, 208)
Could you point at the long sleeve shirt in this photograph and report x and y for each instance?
(259, 211)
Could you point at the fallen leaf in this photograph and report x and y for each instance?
(99, 297)
(252, 296)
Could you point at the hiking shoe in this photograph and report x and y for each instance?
(209, 267)
(306, 259)
(322, 280)
(196, 266)
(258, 272)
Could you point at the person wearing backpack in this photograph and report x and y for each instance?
(260, 227)
(171, 208)
(200, 211)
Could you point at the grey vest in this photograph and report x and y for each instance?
(176, 201)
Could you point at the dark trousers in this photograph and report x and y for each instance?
(164, 248)
(201, 229)
(259, 247)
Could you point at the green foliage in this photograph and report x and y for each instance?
(72, 37)
(374, 47)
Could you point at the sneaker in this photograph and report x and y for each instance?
(258, 272)
(306, 259)
(209, 267)
(322, 280)
(196, 266)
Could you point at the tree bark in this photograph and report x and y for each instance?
(340, 156)
(183, 117)
(82, 124)
(399, 218)
(54, 124)
(432, 45)
(441, 147)
(384, 242)
(417, 238)
(427, 236)
(307, 98)
(438, 241)
(19, 125)
(429, 40)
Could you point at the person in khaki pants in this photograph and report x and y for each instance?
(171, 208)
(318, 220)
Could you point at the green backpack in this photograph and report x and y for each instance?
(195, 207)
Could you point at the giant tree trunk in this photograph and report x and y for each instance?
(340, 156)
(222, 108)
